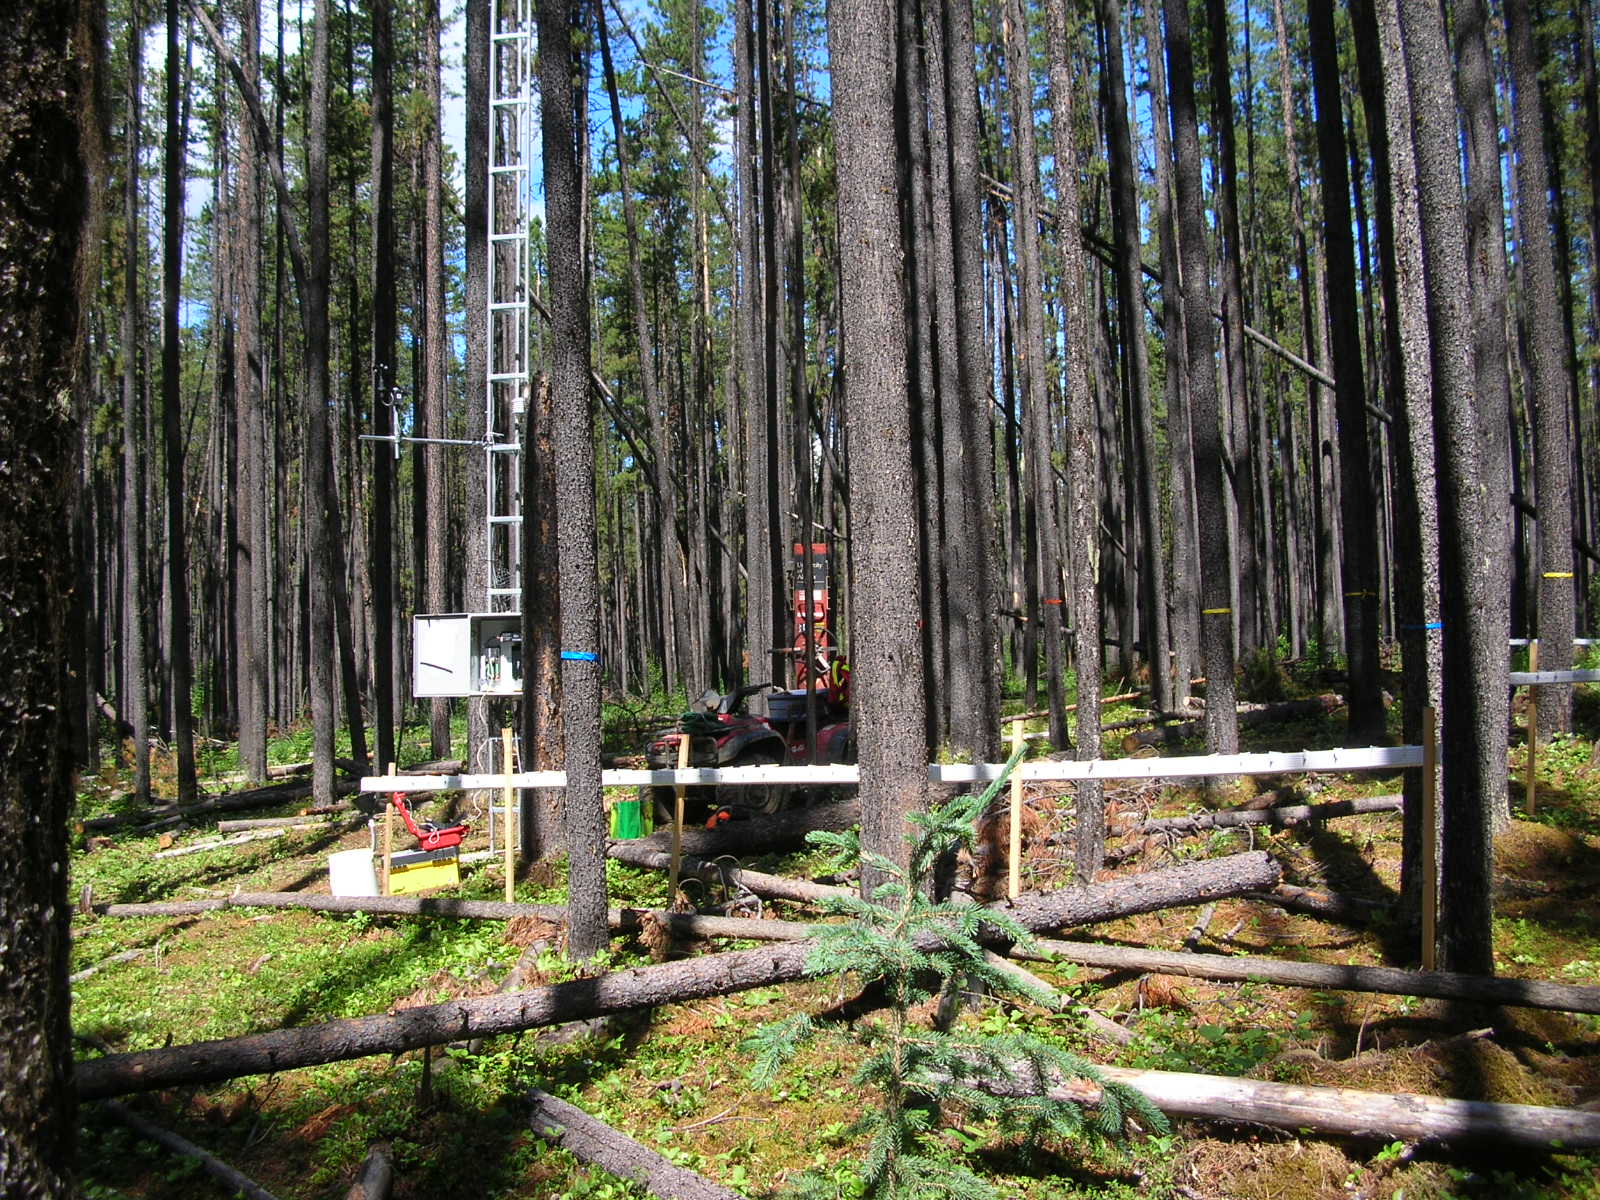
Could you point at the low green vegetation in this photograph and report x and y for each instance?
(678, 1078)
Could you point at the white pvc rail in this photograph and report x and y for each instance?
(1524, 678)
(1373, 758)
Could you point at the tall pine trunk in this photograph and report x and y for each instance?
(573, 444)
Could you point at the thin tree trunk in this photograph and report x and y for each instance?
(1033, 374)
(1356, 485)
(1545, 379)
(1184, 604)
(135, 690)
(1216, 558)
(1083, 466)
(177, 592)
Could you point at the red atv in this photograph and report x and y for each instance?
(722, 734)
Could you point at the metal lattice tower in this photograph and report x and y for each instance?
(510, 218)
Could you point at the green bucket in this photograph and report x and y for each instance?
(627, 819)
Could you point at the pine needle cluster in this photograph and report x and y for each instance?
(912, 948)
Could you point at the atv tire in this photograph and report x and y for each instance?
(754, 799)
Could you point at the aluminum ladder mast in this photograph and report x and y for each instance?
(510, 214)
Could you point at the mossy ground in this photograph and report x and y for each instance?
(675, 1078)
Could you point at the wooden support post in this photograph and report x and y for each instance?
(1430, 842)
(507, 800)
(677, 822)
(388, 840)
(1531, 800)
(1014, 886)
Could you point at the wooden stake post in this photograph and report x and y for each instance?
(1430, 844)
(507, 802)
(677, 821)
(1530, 799)
(1014, 886)
(388, 839)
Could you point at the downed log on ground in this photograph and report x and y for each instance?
(1346, 1112)
(782, 831)
(1170, 887)
(1249, 714)
(1333, 906)
(303, 821)
(643, 987)
(237, 1184)
(1282, 814)
(436, 1024)
(1439, 985)
(625, 919)
(595, 1142)
(260, 797)
(238, 839)
(376, 1179)
(778, 887)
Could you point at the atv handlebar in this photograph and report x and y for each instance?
(735, 699)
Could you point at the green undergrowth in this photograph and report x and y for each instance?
(677, 1078)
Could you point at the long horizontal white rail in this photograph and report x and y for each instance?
(1372, 758)
(1524, 678)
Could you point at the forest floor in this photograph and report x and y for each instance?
(676, 1077)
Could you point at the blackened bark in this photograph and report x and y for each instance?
(1185, 599)
(435, 485)
(1408, 381)
(886, 601)
(48, 61)
(1033, 374)
(177, 598)
(380, 531)
(1356, 486)
(1153, 597)
(320, 517)
(1545, 378)
(560, 67)
(1216, 558)
(1083, 463)
(1488, 277)
(968, 444)
(135, 696)
(253, 548)
(1472, 736)
(1230, 270)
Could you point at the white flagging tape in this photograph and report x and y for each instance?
(1372, 758)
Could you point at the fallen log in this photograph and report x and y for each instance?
(777, 887)
(1170, 887)
(232, 802)
(595, 1142)
(236, 1183)
(110, 960)
(254, 835)
(376, 1179)
(1249, 714)
(624, 919)
(1393, 981)
(303, 821)
(1345, 1112)
(1335, 907)
(436, 1024)
(643, 987)
(1282, 814)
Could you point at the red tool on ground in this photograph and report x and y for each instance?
(429, 836)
